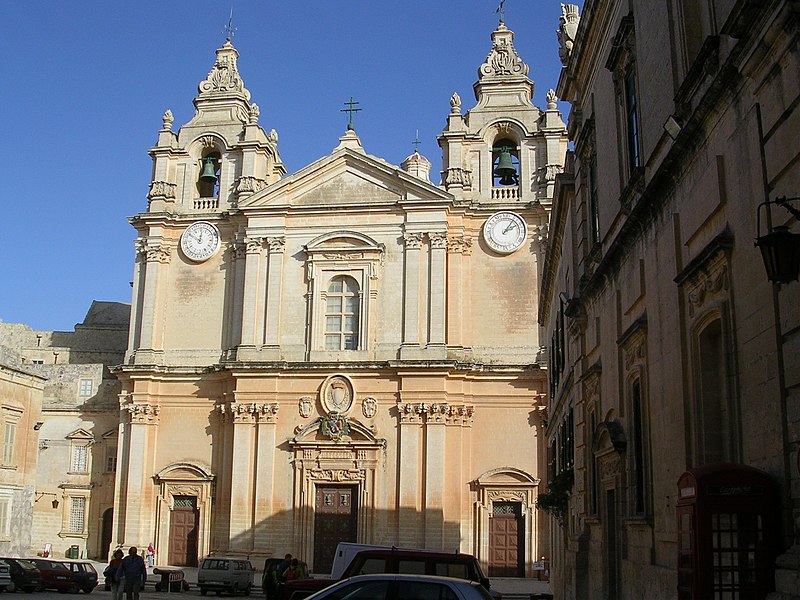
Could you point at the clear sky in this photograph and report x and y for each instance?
(85, 85)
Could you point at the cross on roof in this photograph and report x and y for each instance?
(350, 109)
(229, 29)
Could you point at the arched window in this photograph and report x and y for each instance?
(342, 314)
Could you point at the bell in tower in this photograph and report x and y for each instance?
(505, 172)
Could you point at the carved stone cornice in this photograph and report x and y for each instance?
(162, 190)
(143, 414)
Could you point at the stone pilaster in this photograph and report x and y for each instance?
(273, 294)
(241, 511)
(437, 293)
(156, 254)
(254, 247)
(410, 345)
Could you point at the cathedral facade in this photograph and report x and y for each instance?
(347, 353)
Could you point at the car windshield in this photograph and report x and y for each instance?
(28, 566)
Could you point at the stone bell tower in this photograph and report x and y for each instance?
(221, 155)
(504, 149)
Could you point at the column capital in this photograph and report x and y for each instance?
(145, 414)
(413, 241)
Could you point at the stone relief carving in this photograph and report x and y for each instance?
(224, 75)
(503, 58)
(459, 244)
(413, 241)
(162, 189)
(507, 496)
(567, 29)
(707, 285)
(305, 406)
(335, 426)
(245, 185)
(337, 394)
(369, 407)
(337, 474)
(143, 413)
(457, 176)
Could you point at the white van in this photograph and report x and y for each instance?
(224, 574)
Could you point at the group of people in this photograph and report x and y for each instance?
(128, 574)
(288, 569)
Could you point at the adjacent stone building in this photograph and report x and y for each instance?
(338, 353)
(65, 425)
(672, 357)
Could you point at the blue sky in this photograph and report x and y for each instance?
(86, 83)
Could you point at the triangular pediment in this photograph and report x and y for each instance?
(80, 434)
(345, 178)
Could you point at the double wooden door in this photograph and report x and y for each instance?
(506, 532)
(335, 520)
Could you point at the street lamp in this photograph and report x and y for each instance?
(780, 248)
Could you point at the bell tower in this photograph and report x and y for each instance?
(504, 150)
(221, 155)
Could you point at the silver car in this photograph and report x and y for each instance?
(5, 576)
(403, 587)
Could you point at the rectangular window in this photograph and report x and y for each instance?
(632, 119)
(111, 460)
(4, 512)
(594, 208)
(80, 459)
(9, 437)
(77, 514)
(638, 448)
(86, 388)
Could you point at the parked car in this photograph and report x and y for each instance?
(5, 576)
(25, 575)
(376, 559)
(55, 575)
(222, 574)
(401, 587)
(84, 575)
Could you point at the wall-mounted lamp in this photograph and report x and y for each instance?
(780, 248)
(673, 126)
(39, 495)
(38, 425)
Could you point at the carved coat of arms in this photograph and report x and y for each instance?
(335, 426)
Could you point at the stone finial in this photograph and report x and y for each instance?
(503, 59)
(167, 120)
(223, 78)
(455, 104)
(272, 136)
(254, 112)
(552, 99)
(567, 29)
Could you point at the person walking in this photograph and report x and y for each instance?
(110, 573)
(134, 571)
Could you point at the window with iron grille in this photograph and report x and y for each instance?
(5, 504)
(9, 437)
(80, 459)
(77, 514)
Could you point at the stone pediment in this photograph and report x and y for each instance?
(346, 178)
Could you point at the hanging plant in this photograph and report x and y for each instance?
(556, 499)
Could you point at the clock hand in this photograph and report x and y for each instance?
(510, 226)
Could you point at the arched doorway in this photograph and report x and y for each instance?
(105, 535)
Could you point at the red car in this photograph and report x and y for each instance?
(55, 574)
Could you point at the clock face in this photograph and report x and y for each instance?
(505, 232)
(200, 241)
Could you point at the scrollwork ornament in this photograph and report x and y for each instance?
(305, 406)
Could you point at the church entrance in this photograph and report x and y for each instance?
(335, 520)
(183, 532)
(506, 532)
(105, 536)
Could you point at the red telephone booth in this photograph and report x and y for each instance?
(727, 533)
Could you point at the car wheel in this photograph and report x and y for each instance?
(247, 591)
(87, 590)
(203, 591)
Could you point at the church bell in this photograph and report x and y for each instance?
(209, 174)
(505, 169)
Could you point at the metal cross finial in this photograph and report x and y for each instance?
(501, 11)
(350, 109)
(229, 29)
(416, 142)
